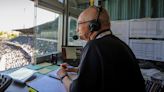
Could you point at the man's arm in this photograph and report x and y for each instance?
(75, 69)
(66, 81)
(65, 78)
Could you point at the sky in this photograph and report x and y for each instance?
(19, 14)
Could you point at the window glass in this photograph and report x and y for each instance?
(46, 32)
(61, 1)
(25, 29)
(16, 33)
(72, 31)
(75, 8)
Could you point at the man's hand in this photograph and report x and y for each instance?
(64, 68)
(69, 68)
(61, 72)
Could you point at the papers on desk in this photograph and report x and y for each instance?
(44, 71)
(47, 84)
(153, 74)
(39, 66)
(45, 64)
(22, 74)
(47, 69)
(54, 74)
(149, 72)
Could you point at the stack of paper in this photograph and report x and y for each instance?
(22, 74)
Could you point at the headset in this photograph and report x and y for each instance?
(95, 24)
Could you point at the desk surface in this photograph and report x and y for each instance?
(47, 84)
(18, 87)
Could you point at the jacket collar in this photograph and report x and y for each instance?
(103, 33)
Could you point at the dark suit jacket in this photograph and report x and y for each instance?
(108, 64)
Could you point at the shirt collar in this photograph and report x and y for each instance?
(103, 33)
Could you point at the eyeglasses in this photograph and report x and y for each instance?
(85, 21)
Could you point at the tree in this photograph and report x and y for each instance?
(1, 33)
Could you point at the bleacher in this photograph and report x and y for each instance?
(12, 56)
(19, 51)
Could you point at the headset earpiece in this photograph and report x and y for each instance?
(95, 25)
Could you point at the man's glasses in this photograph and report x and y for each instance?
(85, 21)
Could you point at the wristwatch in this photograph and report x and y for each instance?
(66, 74)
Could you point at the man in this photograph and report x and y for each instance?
(107, 64)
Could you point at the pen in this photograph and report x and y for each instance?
(54, 77)
(67, 66)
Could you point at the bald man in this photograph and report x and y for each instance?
(107, 64)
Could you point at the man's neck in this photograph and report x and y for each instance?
(98, 33)
(93, 35)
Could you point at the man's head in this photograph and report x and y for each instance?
(86, 27)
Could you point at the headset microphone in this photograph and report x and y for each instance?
(75, 37)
